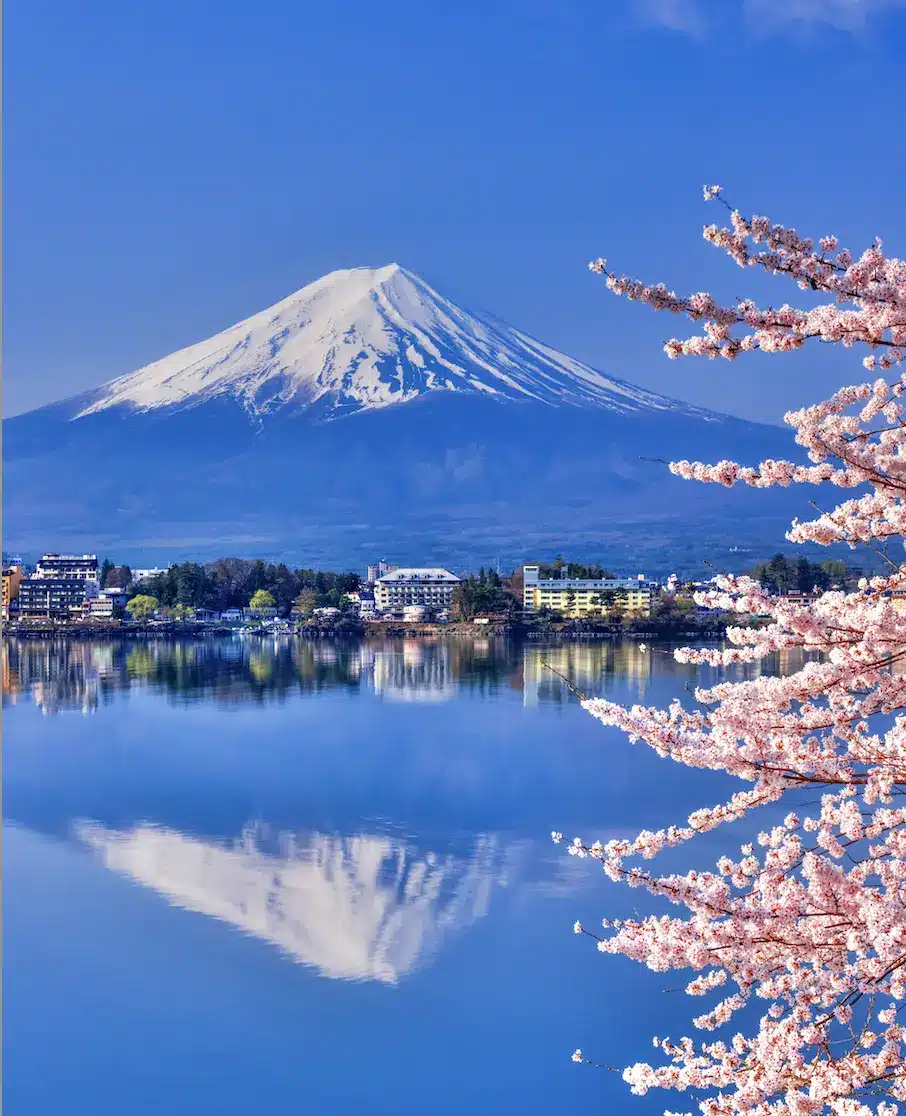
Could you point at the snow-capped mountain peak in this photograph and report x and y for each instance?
(361, 339)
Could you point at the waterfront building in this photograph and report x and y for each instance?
(430, 587)
(12, 577)
(100, 607)
(362, 603)
(581, 597)
(107, 604)
(82, 567)
(54, 598)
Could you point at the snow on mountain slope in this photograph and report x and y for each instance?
(362, 339)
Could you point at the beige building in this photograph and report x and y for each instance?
(12, 576)
(581, 597)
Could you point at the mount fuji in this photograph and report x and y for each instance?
(366, 415)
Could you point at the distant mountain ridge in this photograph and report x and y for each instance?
(368, 415)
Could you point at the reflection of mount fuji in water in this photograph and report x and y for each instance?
(354, 908)
(63, 675)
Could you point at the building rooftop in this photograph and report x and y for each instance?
(68, 557)
(418, 574)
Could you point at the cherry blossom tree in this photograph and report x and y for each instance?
(798, 942)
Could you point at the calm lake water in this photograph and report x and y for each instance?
(248, 877)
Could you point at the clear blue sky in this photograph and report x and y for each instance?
(173, 167)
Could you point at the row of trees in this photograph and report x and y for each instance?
(483, 594)
(143, 605)
(798, 575)
(233, 582)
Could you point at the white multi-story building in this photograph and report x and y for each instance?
(432, 588)
(362, 603)
(69, 566)
(140, 576)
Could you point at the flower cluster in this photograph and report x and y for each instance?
(867, 296)
(809, 919)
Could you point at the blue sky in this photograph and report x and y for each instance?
(172, 168)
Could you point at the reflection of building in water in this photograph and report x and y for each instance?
(417, 672)
(59, 674)
(355, 908)
(12, 686)
(790, 660)
(66, 693)
(629, 661)
(585, 665)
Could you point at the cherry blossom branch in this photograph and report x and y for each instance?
(810, 920)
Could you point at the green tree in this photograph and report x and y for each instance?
(261, 599)
(810, 576)
(787, 575)
(608, 600)
(106, 567)
(837, 570)
(306, 602)
(191, 584)
(142, 606)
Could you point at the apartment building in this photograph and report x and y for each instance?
(581, 597)
(54, 598)
(432, 588)
(377, 571)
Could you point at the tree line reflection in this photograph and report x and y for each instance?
(69, 675)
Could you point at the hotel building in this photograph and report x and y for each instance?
(68, 566)
(54, 598)
(432, 588)
(581, 597)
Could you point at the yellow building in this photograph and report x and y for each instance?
(898, 600)
(580, 597)
(12, 576)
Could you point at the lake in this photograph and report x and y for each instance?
(288, 877)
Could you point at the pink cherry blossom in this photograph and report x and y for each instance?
(806, 924)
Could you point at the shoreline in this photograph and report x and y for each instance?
(565, 632)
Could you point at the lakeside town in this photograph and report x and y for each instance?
(76, 593)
